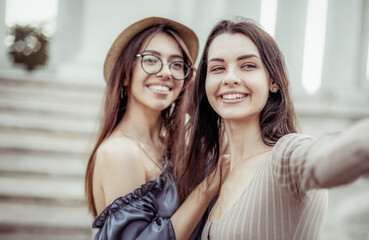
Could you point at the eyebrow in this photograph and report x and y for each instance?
(238, 58)
(159, 54)
(247, 56)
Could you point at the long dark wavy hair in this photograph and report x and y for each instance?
(115, 105)
(204, 128)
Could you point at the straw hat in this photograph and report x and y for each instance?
(188, 36)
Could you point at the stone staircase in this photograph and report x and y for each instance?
(46, 134)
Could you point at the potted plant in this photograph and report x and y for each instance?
(30, 46)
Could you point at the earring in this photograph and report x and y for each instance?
(274, 90)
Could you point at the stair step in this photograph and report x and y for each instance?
(25, 188)
(35, 122)
(36, 164)
(7, 234)
(47, 107)
(40, 220)
(52, 94)
(44, 142)
(345, 111)
(26, 82)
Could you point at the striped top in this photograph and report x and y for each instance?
(285, 199)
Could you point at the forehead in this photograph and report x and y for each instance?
(162, 43)
(227, 44)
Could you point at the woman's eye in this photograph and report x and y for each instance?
(248, 66)
(216, 69)
(177, 65)
(150, 60)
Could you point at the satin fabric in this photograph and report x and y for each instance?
(144, 213)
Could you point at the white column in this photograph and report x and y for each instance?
(364, 46)
(290, 33)
(4, 56)
(341, 78)
(66, 42)
(70, 41)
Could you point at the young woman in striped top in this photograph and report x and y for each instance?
(276, 186)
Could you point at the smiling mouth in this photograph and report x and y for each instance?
(159, 88)
(233, 96)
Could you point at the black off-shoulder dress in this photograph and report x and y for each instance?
(144, 213)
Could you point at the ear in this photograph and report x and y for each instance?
(273, 86)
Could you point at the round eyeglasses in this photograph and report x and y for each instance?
(152, 65)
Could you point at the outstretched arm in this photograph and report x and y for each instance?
(301, 163)
(340, 159)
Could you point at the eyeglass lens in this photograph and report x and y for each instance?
(152, 65)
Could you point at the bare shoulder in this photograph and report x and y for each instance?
(118, 170)
(118, 151)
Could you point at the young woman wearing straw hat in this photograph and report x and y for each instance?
(129, 184)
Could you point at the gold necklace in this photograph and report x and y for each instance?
(139, 144)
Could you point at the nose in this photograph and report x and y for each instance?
(231, 78)
(165, 71)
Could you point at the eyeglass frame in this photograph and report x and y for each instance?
(190, 67)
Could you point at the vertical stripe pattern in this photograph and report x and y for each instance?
(275, 205)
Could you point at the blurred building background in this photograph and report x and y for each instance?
(49, 106)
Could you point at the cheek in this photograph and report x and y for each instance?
(263, 92)
(260, 83)
(178, 86)
(137, 75)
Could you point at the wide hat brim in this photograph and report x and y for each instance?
(188, 36)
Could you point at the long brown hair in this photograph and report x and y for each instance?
(115, 104)
(205, 126)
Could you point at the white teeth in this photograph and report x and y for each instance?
(233, 96)
(159, 88)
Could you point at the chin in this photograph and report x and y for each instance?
(159, 107)
(231, 114)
